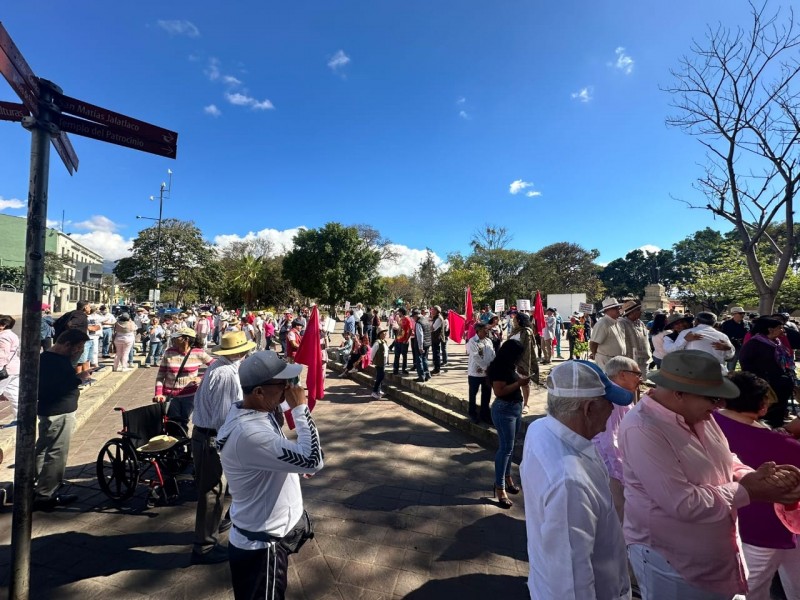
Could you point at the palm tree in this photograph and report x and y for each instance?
(248, 273)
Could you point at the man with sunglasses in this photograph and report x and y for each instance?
(683, 486)
(262, 468)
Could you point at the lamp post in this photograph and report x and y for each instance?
(165, 188)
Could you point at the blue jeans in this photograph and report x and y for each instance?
(421, 362)
(482, 384)
(107, 333)
(400, 349)
(507, 417)
(154, 354)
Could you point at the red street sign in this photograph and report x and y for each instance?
(12, 111)
(114, 136)
(17, 72)
(123, 124)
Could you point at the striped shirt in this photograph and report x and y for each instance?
(186, 384)
(218, 391)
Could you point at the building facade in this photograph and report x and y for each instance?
(80, 277)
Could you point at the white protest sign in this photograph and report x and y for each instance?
(499, 306)
(347, 306)
(585, 307)
(523, 304)
(329, 325)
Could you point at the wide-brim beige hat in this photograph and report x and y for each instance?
(235, 342)
(630, 306)
(158, 443)
(610, 303)
(736, 309)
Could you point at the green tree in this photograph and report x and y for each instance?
(427, 276)
(402, 287)
(331, 263)
(628, 276)
(715, 285)
(454, 281)
(737, 94)
(184, 262)
(562, 268)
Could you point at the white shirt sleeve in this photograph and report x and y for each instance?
(671, 345)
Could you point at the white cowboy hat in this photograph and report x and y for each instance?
(610, 303)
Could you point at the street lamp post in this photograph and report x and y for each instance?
(165, 188)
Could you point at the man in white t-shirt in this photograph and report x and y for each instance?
(262, 468)
(95, 333)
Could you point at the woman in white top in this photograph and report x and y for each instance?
(657, 333)
(9, 358)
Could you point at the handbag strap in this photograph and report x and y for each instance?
(13, 354)
(178, 374)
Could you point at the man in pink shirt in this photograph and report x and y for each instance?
(683, 486)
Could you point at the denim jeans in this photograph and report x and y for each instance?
(400, 349)
(107, 333)
(379, 374)
(180, 410)
(421, 363)
(482, 384)
(154, 354)
(507, 417)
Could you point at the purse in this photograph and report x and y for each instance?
(4, 372)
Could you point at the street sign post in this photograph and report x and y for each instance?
(41, 111)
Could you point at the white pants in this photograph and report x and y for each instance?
(762, 564)
(9, 390)
(659, 581)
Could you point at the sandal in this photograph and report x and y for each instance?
(502, 499)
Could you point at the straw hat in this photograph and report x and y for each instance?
(158, 443)
(234, 343)
(630, 306)
(610, 303)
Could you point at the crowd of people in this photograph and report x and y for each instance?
(621, 489)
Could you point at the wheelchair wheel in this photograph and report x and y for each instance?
(117, 469)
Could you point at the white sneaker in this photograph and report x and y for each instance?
(375, 395)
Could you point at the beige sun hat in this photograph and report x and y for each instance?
(159, 443)
(610, 303)
(234, 342)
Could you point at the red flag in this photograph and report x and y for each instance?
(457, 324)
(468, 310)
(538, 313)
(310, 354)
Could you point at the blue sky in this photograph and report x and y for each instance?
(417, 118)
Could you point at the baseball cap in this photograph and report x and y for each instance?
(265, 365)
(583, 379)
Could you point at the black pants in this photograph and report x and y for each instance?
(400, 349)
(437, 354)
(210, 489)
(379, 373)
(254, 572)
(482, 384)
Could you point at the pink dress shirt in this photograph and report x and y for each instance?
(681, 495)
(607, 442)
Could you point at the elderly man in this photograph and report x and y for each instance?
(625, 373)
(736, 329)
(637, 342)
(548, 335)
(683, 485)
(703, 337)
(608, 337)
(438, 337)
(219, 390)
(262, 467)
(576, 549)
(421, 343)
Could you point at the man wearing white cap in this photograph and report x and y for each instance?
(576, 549)
(608, 337)
(262, 468)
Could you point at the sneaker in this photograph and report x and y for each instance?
(146, 366)
(375, 395)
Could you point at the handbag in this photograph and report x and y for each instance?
(292, 541)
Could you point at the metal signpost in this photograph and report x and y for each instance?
(41, 113)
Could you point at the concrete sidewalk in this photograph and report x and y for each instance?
(403, 509)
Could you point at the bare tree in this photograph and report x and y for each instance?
(376, 241)
(735, 93)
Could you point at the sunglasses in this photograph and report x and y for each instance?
(639, 374)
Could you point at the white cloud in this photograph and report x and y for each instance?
(178, 27)
(212, 110)
(649, 249)
(624, 62)
(231, 80)
(464, 115)
(517, 186)
(461, 100)
(584, 94)
(407, 261)
(98, 223)
(338, 61)
(212, 70)
(52, 224)
(283, 241)
(239, 99)
(11, 203)
(109, 245)
(533, 194)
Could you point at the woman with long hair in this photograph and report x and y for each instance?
(527, 365)
(124, 338)
(657, 332)
(506, 414)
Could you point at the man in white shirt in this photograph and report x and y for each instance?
(218, 391)
(480, 352)
(548, 335)
(608, 337)
(262, 468)
(704, 337)
(575, 545)
(95, 333)
(108, 322)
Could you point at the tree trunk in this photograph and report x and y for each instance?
(766, 302)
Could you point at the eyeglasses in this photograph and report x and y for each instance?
(637, 373)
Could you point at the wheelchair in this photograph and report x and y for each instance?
(152, 450)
